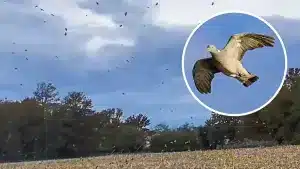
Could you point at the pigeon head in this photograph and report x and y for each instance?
(212, 48)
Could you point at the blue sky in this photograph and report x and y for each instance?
(95, 44)
(229, 95)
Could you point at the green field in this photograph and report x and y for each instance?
(285, 157)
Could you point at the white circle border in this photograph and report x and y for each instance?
(200, 23)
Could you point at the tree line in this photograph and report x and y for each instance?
(47, 126)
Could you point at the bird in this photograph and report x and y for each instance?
(229, 60)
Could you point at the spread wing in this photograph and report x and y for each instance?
(203, 72)
(241, 43)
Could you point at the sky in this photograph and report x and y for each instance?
(228, 94)
(92, 57)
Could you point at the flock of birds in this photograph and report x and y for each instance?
(66, 34)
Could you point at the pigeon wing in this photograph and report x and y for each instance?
(203, 73)
(239, 44)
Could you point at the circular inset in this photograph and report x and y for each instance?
(228, 96)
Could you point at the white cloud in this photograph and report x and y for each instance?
(80, 21)
(175, 12)
(74, 16)
(98, 42)
(94, 35)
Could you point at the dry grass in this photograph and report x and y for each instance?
(255, 158)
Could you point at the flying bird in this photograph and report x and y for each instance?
(229, 60)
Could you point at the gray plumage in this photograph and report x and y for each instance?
(229, 60)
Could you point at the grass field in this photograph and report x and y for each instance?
(286, 157)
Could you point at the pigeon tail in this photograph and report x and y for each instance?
(251, 80)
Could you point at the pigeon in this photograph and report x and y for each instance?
(228, 60)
